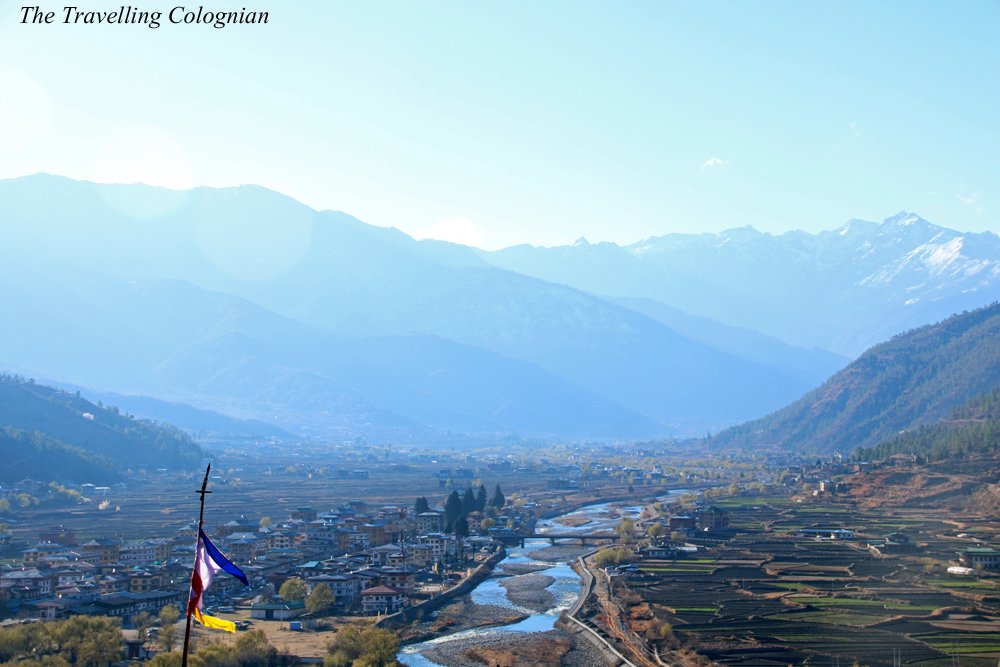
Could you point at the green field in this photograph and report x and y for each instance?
(817, 601)
(702, 569)
(979, 584)
(830, 617)
(791, 586)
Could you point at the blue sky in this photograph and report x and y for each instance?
(496, 123)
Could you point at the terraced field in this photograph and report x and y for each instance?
(761, 595)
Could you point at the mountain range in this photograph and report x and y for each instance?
(246, 302)
(842, 290)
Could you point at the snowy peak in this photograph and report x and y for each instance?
(904, 219)
(854, 227)
(843, 289)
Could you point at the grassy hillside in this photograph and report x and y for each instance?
(915, 379)
(49, 434)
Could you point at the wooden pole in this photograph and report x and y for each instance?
(201, 520)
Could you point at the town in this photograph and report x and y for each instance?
(773, 547)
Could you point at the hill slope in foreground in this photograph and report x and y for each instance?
(917, 378)
(48, 434)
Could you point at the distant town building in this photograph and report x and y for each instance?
(429, 522)
(985, 558)
(381, 600)
(713, 518)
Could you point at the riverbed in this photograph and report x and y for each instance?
(537, 575)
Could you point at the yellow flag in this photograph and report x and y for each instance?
(213, 622)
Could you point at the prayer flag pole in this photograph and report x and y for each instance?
(201, 520)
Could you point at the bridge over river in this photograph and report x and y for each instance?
(519, 538)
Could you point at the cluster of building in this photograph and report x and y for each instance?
(374, 560)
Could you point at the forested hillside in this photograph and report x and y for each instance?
(48, 434)
(915, 379)
(971, 430)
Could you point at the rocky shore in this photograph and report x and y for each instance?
(463, 614)
(530, 591)
(560, 553)
(545, 649)
(522, 568)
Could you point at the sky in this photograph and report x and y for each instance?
(504, 122)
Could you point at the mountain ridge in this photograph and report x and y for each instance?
(331, 272)
(862, 282)
(81, 441)
(911, 380)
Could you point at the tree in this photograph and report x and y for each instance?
(486, 524)
(172, 659)
(90, 641)
(253, 650)
(612, 556)
(362, 646)
(461, 526)
(168, 627)
(214, 654)
(498, 499)
(656, 530)
(421, 505)
(142, 622)
(481, 498)
(293, 589)
(265, 522)
(452, 509)
(625, 529)
(468, 501)
(320, 599)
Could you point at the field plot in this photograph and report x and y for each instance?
(764, 595)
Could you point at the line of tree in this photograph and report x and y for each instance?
(249, 649)
(457, 507)
(972, 430)
(362, 646)
(88, 641)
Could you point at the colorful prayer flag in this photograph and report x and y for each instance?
(207, 562)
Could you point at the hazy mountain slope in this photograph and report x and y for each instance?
(333, 272)
(842, 290)
(916, 378)
(198, 422)
(71, 431)
(173, 340)
(35, 456)
(812, 366)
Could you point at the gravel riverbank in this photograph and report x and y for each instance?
(544, 649)
(530, 591)
(460, 615)
(560, 553)
(522, 568)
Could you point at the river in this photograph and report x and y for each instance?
(565, 588)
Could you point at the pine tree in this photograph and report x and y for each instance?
(468, 501)
(452, 509)
(481, 498)
(498, 500)
(421, 505)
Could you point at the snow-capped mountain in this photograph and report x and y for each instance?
(247, 302)
(842, 290)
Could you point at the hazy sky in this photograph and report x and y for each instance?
(494, 123)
